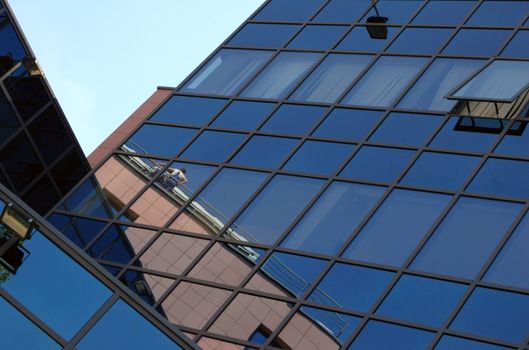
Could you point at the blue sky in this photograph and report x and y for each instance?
(103, 58)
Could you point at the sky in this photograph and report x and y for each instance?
(104, 58)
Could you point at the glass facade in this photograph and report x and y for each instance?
(337, 175)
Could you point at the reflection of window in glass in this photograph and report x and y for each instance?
(496, 314)
(444, 12)
(189, 110)
(315, 37)
(502, 177)
(383, 83)
(333, 218)
(467, 236)
(331, 78)
(263, 35)
(413, 129)
(87, 199)
(213, 146)
(518, 46)
(382, 335)
(342, 11)
(158, 140)
(422, 300)
(292, 10)
(360, 40)
(227, 72)
(470, 42)
(439, 79)
(265, 151)
(243, 115)
(420, 40)
(348, 124)
(397, 227)
(448, 342)
(281, 75)
(283, 199)
(397, 11)
(499, 13)
(294, 119)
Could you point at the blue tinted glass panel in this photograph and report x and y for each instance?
(265, 151)
(500, 13)
(283, 199)
(318, 37)
(328, 224)
(518, 46)
(293, 119)
(67, 294)
(510, 266)
(441, 78)
(135, 332)
(406, 129)
(11, 46)
(470, 42)
(228, 191)
(501, 80)
(422, 300)
(348, 124)
(227, 72)
(264, 35)
(289, 10)
(450, 343)
(78, 230)
(364, 285)
(420, 40)
(20, 333)
(384, 336)
(451, 138)
(496, 314)
(441, 170)
(397, 227)
(397, 11)
(189, 110)
(196, 175)
(319, 157)
(158, 140)
(331, 78)
(341, 326)
(243, 115)
(502, 177)
(213, 146)
(384, 82)
(378, 164)
(342, 11)
(444, 12)
(359, 40)
(280, 76)
(466, 238)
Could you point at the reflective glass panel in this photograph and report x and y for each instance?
(451, 137)
(441, 78)
(515, 144)
(348, 124)
(328, 224)
(294, 119)
(360, 40)
(510, 266)
(243, 115)
(397, 227)
(67, 294)
(397, 11)
(264, 35)
(136, 332)
(288, 10)
(79, 230)
(466, 237)
(406, 129)
(227, 72)
(518, 46)
(441, 170)
(450, 343)
(496, 314)
(378, 164)
(422, 300)
(384, 336)
(351, 287)
(265, 151)
(331, 78)
(280, 76)
(317, 37)
(158, 140)
(501, 80)
(499, 13)
(189, 110)
(11, 45)
(196, 175)
(469, 42)
(282, 199)
(444, 12)
(385, 80)
(213, 146)
(319, 157)
(502, 177)
(420, 40)
(342, 11)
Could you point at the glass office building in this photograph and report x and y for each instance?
(355, 178)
